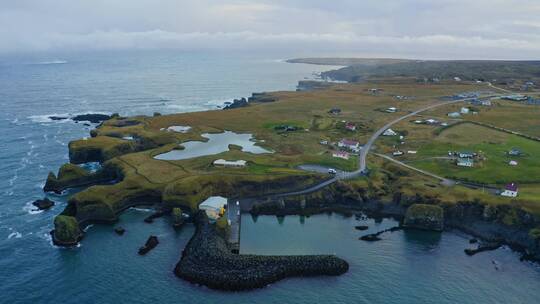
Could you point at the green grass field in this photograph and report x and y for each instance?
(491, 144)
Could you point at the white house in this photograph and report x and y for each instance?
(389, 132)
(464, 110)
(214, 206)
(511, 190)
(453, 114)
(397, 153)
(391, 110)
(227, 163)
(411, 152)
(340, 154)
(352, 145)
(513, 163)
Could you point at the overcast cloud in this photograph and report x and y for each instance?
(482, 29)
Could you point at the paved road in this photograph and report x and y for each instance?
(362, 167)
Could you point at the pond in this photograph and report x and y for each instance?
(217, 143)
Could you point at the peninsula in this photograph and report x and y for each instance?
(435, 152)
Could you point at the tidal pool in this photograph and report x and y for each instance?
(217, 143)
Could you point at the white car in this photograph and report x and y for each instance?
(332, 171)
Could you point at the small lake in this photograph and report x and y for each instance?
(217, 143)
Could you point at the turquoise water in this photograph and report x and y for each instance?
(106, 268)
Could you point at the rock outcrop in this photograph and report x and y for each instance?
(43, 204)
(150, 244)
(422, 216)
(70, 176)
(93, 118)
(178, 218)
(208, 260)
(66, 231)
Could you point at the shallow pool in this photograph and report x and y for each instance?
(217, 143)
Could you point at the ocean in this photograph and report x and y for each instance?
(406, 267)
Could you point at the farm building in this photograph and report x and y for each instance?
(389, 132)
(335, 111)
(341, 154)
(515, 152)
(352, 145)
(350, 126)
(466, 154)
(391, 110)
(513, 163)
(214, 207)
(511, 190)
(464, 110)
(465, 162)
(226, 163)
(453, 114)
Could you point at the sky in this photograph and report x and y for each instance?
(423, 29)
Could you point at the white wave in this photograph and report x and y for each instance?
(51, 62)
(46, 118)
(15, 234)
(31, 209)
(142, 209)
(88, 228)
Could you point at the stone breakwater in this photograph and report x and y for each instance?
(207, 260)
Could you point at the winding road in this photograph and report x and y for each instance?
(362, 159)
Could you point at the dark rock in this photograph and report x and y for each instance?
(482, 248)
(208, 260)
(93, 118)
(58, 117)
(237, 103)
(473, 241)
(43, 204)
(361, 227)
(178, 218)
(119, 230)
(370, 238)
(262, 97)
(151, 243)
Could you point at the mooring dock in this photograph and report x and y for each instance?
(234, 218)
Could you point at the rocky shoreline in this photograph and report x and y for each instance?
(207, 260)
(488, 223)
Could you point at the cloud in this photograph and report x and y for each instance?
(410, 28)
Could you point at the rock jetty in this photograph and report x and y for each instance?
(207, 260)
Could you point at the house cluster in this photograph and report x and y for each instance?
(429, 121)
(514, 152)
(401, 97)
(481, 102)
(464, 158)
(515, 97)
(466, 95)
(346, 147)
(375, 91)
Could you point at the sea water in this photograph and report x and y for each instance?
(403, 268)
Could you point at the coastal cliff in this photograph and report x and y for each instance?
(208, 261)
